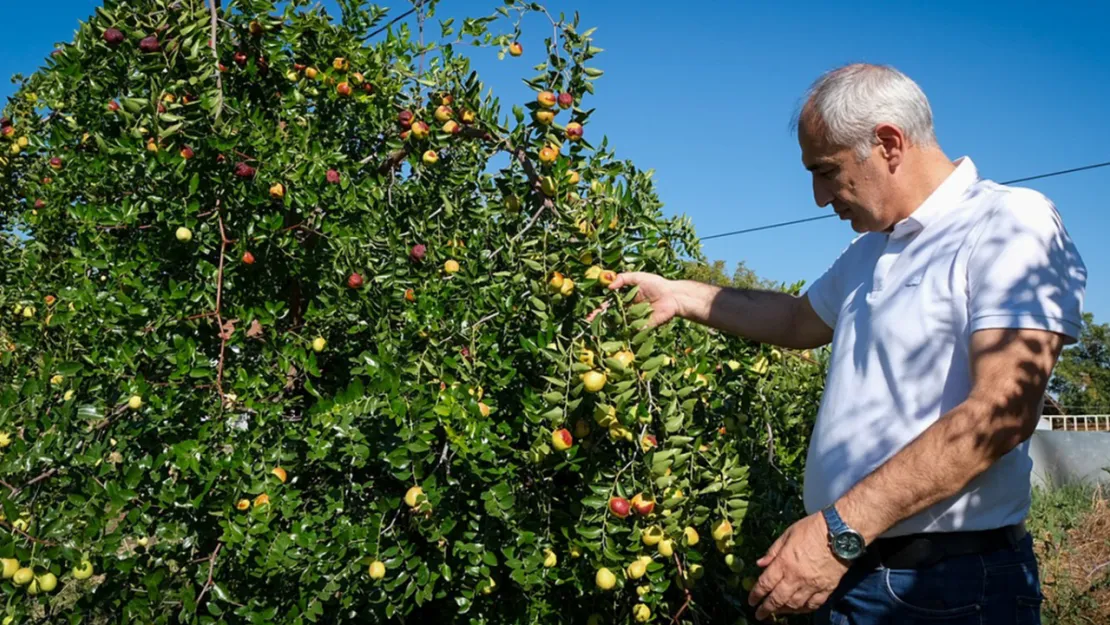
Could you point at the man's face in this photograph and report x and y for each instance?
(855, 189)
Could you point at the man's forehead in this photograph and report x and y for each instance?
(817, 152)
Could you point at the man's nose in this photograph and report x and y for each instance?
(821, 195)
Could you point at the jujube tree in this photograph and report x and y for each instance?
(300, 324)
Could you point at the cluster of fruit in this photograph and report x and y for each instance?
(17, 142)
(415, 130)
(42, 582)
(262, 499)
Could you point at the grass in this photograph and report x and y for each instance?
(1071, 528)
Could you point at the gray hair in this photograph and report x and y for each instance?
(846, 104)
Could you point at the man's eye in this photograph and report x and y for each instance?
(829, 173)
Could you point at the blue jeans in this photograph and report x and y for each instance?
(998, 588)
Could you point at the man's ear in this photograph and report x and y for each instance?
(892, 144)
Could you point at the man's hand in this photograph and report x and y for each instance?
(800, 571)
(762, 316)
(657, 290)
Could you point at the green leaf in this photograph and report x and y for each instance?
(589, 533)
(595, 502)
(673, 424)
(69, 368)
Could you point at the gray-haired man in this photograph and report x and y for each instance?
(946, 316)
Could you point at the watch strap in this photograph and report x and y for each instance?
(832, 519)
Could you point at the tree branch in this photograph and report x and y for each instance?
(689, 597)
(216, 58)
(48, 543)
(224, 335)
(211, 568)
(419, 6)
(41, 477)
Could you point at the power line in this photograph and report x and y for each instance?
(392, 22)
(783, 224)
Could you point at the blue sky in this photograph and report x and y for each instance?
(703, 93)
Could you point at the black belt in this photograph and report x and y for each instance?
(916, 551)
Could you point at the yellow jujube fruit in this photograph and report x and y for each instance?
(637, 569)
(23, 576)
(652, 536)
(605, 579)
(414, 496)
(666, 548)
(691, 536)
(641, 613)
(11, 565)
(722, 529)
(594, 381)
(84, 570)
(625, 357)
(47, 582)
(550, 559)
(377, 570)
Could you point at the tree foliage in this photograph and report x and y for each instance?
(743, 277)
(262, 338)
(1081, 380)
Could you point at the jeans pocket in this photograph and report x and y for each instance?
(926, 596)
(1029, 610)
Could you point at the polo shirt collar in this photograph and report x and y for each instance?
(940, 200)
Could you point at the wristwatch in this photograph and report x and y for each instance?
(845, 542)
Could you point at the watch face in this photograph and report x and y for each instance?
(848, 545)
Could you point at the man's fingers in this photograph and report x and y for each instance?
(764, 585)
(816, 601)
(774, 603)
(771, 552)
(623, 279)
(799, 602)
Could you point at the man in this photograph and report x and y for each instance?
(946, 316)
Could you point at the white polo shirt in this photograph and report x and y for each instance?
(903, 305)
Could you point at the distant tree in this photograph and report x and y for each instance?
(742, 277)
(1081, 383)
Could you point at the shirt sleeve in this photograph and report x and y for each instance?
(826, 294)
(1024, 271)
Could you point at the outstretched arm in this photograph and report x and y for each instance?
(763, 316)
